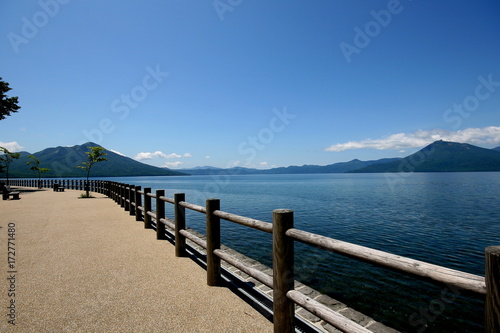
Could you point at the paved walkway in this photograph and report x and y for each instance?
(85, 265)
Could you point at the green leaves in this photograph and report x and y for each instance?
(6, 159)
(95, 155)
(35, 166)
(7, 104)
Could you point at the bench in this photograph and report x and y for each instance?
(58, 188)
(6, 193)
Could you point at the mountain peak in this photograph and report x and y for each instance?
(443, 156)
(88, 144)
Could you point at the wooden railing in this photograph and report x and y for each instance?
(139, 204)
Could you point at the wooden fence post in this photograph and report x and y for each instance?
(213, 242)
(160, 214)
(147, 208)
(180, 223)
(492, 277)
(131, 197)
(127, 197)
(138, 202)
(122, 195)
(283, 271)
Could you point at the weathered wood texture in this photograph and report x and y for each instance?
(168, 222)
(160, 214)
(334, 318)
(138, 203)
(147, 209)
(194, 207)
(492, 272)
(131, 199)
(283, 271)
(255, 273)
(248, 222)
(167, 199)
(124, 192)
(213, 243)
(180, 224)
(405, 265)
(195, 239)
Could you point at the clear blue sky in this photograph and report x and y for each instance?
(251, 83)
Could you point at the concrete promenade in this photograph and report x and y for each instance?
(86, 265)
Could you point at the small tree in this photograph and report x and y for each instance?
(95, 155)
(7, 104)
(5, 160)
(35, 166)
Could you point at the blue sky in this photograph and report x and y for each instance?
(251, 83)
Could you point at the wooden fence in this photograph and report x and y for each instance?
(139, 204)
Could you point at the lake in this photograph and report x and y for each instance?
(441, 218)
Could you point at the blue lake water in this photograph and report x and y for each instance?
(442, 218)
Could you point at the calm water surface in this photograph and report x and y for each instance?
(442, 218)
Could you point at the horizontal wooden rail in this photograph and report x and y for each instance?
(255, 273)
(332, 317)
(194, 207)
(168, 222)
(246, 221)
(194, 238)
(405, 265)
(152, 195)
(167, 199)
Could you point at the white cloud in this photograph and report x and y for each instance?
(11, 146)
(158, 154)
(187, 155)
(144, 156)
(207, 157)
(172, 164)
(476, 136)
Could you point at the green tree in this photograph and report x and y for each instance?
(7, 104)
(5, 160)
(35, 166)
(95, 155)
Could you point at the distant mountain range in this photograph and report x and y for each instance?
(63, 162)
(331, 168)
(440, 156)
